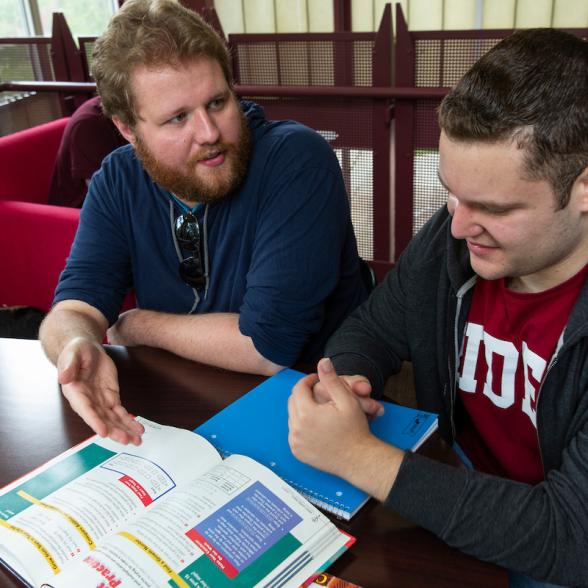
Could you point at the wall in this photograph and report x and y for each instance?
(282, 16)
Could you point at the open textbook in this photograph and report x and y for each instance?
(170, 512)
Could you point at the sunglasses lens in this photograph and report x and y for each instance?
(191, 272)
(188, 232)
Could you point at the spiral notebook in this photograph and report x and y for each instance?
(257, 425)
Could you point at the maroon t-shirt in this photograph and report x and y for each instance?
(510, 339)
(88, 138)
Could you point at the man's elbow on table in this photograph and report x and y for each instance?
(267, 367)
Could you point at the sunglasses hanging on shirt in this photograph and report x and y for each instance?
(191, 268)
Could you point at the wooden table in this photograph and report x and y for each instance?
(37, 424)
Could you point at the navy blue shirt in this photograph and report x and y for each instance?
(281, 248)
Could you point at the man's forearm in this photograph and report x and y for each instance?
(369, 463)
(374, 468)
(68, 321)
(213, 339)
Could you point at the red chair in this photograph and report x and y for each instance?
(26, 162)
(35, 238)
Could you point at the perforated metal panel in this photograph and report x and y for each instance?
(459, 55)
(428, 193)
(302, 63)
(362, 63)
(442, 62)
(357, 166)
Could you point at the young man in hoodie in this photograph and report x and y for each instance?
(489, 303)
(233, 231)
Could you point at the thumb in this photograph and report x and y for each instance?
(337, 387)
(68, 367)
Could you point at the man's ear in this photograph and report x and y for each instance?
(125, 130)
(581, 185)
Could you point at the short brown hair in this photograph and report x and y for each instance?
(149, 33)
(532, 88)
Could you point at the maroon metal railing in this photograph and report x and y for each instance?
(388, 92)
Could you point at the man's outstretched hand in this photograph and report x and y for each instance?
(89, 381)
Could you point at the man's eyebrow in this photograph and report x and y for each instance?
(220, 95)
(175, 112)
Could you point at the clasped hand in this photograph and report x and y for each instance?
(89, 381)
(328, 420)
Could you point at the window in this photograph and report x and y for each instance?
(15, 20)
(85, 19)
(26, 18)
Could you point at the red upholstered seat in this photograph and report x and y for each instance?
(35, 240)
(26, 161)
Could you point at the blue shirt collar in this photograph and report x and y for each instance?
(184, 207)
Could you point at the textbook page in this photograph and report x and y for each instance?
(61, 511)
(236, 525)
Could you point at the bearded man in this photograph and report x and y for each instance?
(233, 231)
